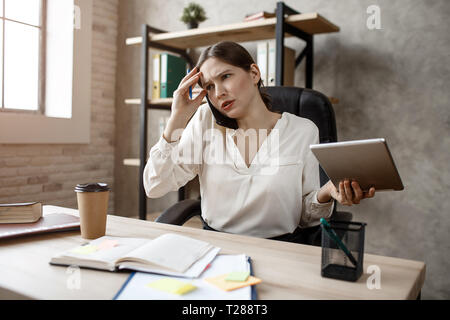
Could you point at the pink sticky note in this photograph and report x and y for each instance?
(107, 244)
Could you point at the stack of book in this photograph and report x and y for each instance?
(168, 71)
(21, 219)
(20, 212)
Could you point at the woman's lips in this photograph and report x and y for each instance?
(228, 106)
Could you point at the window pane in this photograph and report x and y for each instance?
(1, 63)
(23, 10)
(59, 50)
(21, 66)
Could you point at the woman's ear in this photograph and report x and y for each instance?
(255, 73)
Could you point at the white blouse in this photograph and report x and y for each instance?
(271, 197)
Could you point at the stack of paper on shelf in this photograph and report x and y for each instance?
(259, 15)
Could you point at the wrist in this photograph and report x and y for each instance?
(173, 130)
(179, 119)
(324, 194)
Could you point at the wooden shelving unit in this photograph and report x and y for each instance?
(163, 104)
(287, 23)
(309, 23)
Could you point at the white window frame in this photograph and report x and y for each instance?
(34, 128)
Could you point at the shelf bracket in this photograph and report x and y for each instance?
(280, 29)
(145, 57)
(143, 122)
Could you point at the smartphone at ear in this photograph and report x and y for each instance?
(221, 119)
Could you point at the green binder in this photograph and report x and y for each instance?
(173, 69)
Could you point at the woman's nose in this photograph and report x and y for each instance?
(220, 91)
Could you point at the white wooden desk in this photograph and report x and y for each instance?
(287, 270)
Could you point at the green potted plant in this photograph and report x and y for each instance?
(193, 14)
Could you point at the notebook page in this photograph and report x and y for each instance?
(100, 257)
(137, 289)
(193, 271)
(171, 251)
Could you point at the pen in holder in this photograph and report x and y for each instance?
(342, 249)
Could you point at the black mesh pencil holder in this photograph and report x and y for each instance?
(335, 262)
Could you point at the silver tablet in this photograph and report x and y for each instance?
(367, 161)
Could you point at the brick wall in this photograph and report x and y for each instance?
(49, 173)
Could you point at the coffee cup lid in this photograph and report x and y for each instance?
(92, 187)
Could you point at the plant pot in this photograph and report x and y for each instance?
(192, 25)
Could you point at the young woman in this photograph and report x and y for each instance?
(260, 179)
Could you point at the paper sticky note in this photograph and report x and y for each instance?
(221, 283)
(107, 244)
(87, 249)
(238, 276)
(172, 286)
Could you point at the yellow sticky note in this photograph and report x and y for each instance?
(107, 244)
(87, 249)
(186, 288)
(172, 286)
(238, 276)
(223, 284)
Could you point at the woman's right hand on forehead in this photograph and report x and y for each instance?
(183, 106)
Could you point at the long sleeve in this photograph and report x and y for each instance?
(312, 210)
(171, 165)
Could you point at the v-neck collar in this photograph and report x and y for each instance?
(262, 153)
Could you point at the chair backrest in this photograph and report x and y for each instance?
(310, 104)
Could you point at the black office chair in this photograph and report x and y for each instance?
(305, 103)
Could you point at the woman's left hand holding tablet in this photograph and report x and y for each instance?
(349, 192)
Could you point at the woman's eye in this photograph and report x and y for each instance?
(225, 76)
(208, 87)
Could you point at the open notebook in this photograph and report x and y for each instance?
(169, 254)
(138, 285)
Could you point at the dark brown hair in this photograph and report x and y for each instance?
(235, 55)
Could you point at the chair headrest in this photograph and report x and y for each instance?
(306, 103)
